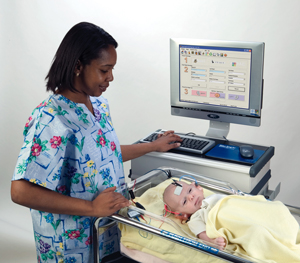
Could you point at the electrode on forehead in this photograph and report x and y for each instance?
(178, 188)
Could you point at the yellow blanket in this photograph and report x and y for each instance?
(157, 246)
(252, 225)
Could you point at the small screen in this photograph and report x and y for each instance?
(215, 76)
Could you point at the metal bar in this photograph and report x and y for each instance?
(95, 242)
(95, 236)
(214, 184)
(180, 239)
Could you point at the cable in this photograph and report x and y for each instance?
(191, 134)
(186, 175)
(231, 143)
(168, 173)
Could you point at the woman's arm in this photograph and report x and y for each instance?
(40, 198)
(162, 144)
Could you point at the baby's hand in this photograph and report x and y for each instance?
(220, 241)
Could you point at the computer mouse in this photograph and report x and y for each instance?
(246, 151)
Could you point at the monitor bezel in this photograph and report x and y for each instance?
(215, 112)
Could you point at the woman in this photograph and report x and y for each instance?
(71, 161)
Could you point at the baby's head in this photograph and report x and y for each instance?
(184, 200)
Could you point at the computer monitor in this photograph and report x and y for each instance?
(216, 80)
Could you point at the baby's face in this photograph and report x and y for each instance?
(189, 200)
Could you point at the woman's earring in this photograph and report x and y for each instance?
(77, 74)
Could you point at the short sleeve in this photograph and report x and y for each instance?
(49, 141)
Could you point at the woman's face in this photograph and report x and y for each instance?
(95, 77)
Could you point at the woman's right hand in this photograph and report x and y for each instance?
(108, 202)
(40, 198)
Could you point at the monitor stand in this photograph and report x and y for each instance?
(218, 129)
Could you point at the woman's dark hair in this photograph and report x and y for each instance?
(83, 43)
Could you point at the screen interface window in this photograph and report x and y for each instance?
(215, 76)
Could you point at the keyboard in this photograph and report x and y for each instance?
(189, 143)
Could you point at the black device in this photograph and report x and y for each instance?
(246, 151)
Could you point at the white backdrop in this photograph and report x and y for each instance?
(139, 96)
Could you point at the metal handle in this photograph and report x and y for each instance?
(180, 239)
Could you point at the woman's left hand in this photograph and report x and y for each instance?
(166, 141)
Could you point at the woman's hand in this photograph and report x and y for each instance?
(40, 198)
(109, 202)
(166, 141)
(170, 132)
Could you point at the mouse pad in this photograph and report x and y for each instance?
(232, 153)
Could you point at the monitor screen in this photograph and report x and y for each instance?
(221, 81)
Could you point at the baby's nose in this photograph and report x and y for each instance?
(190, 197)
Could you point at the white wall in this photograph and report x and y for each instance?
(139, 97)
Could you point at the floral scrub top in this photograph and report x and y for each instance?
(69, 150)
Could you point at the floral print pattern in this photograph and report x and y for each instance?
(75, 234)
(36, 149)
(55, 142)
(68, 150)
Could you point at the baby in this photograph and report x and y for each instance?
(187, 201)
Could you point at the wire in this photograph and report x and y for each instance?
(187, 175)
(167, 210)
(134, 184)
(143, 219)
(231, 143)
(191, 133)
(168, 173)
